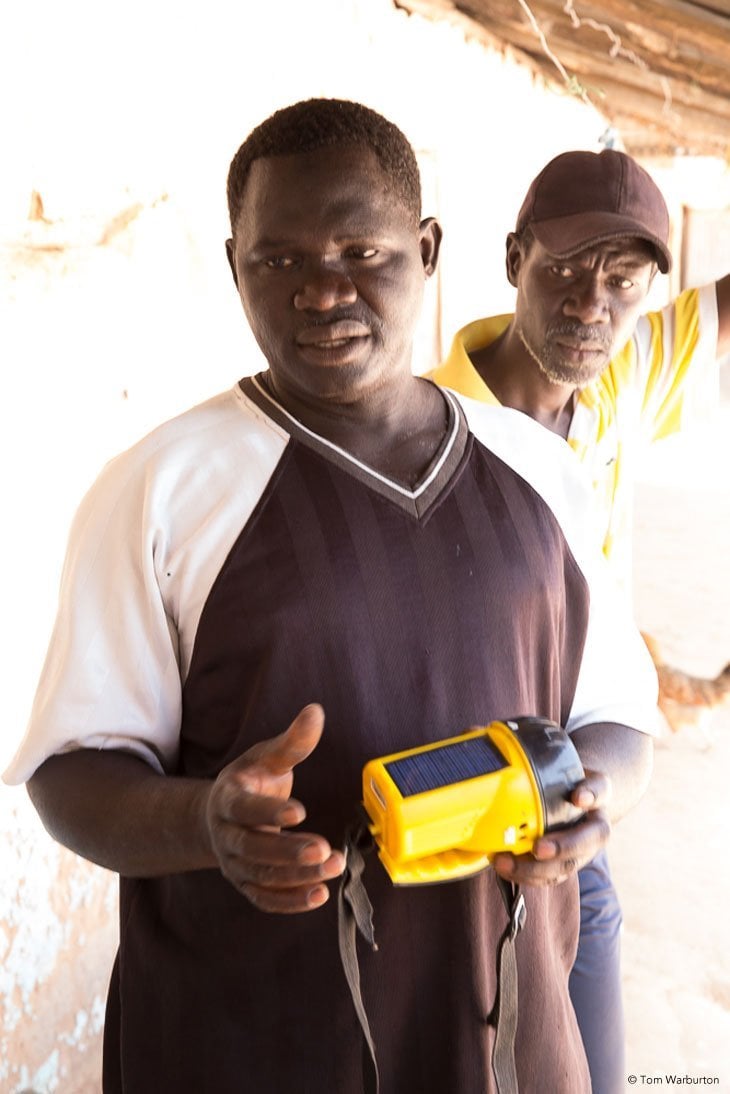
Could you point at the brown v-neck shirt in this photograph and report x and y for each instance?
(410, 615)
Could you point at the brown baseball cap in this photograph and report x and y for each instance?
(583, 198)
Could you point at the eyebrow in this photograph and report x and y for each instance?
(632, 259)
(354, 234)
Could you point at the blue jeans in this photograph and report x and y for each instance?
(595, 981)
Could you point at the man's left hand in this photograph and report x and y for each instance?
(559, 854)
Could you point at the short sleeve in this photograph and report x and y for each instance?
(111, 677)
(676, 362)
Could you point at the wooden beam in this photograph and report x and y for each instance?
(674, 83)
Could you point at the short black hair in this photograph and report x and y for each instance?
(325, 123)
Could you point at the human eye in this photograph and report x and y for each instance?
(622, 280)
(279, 262)
(363, 251)
(563, 273)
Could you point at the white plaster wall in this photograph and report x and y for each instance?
(116, 104)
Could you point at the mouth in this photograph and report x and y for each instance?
(579, 341)
(581, 351)
(333, 336)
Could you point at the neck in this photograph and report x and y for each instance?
(397, 429)
(515, 380)
(338, 416)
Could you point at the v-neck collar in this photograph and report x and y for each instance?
(416, 501)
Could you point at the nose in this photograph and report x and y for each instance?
(324, 286)
(587, 302)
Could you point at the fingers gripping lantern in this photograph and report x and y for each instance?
(441, 811)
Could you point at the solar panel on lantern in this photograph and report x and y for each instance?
(452, 763)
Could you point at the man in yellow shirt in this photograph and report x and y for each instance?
(578, 356)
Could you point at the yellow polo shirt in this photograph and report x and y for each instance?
(662, 379)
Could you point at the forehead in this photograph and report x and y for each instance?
(319, 192)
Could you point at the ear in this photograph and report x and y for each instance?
(231, 256)
(513, 258)
(430, 236)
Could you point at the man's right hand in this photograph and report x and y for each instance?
(248, 807)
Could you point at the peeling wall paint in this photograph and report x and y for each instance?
(57, 940)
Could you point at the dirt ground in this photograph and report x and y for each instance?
(669, 855)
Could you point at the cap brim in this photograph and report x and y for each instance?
(566, 236)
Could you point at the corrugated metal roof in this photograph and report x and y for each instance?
(659, 70)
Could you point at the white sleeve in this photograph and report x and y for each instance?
(676, 361)
(111, 677)
(146, 546)
(617, 681)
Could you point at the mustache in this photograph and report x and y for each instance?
(340, 315)
(580, 332)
